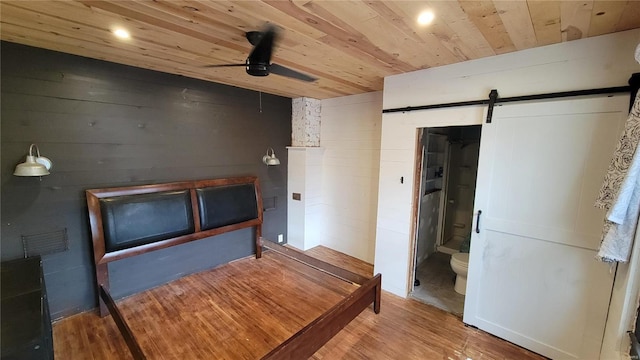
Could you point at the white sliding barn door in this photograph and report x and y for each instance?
(533, 279)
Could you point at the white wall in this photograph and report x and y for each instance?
(596, 62)
(296, 183)
(304, 219)
(350, 137)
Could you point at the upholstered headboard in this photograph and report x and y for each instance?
(133, 220)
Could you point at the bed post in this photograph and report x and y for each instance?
(102, 269)
(258, 241)
(256, 185)
(378, 290)
(102, 279)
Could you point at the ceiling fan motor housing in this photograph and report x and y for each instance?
(259, 69)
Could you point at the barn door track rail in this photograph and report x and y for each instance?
(494, 99)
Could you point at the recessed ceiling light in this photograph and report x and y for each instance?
(121, 33)
(426, 17)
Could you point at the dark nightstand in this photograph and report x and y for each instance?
(24, 312)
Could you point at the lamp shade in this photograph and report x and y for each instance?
(270, 159)
(30, 168)
(33, 165)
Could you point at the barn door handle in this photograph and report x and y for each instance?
(478, 222)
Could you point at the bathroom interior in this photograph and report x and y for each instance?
(449, 166)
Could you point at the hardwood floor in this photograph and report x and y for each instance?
(245, 308)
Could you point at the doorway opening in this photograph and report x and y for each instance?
(447, 168)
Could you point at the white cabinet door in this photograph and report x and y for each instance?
(533, 279)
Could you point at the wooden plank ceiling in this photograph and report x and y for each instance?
(350, 46)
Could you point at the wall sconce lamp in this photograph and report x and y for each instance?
(270, 160)
(33, 165)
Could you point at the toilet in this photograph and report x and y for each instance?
(460, 265)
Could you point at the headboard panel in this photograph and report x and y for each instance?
(226, 205)
(133, 220)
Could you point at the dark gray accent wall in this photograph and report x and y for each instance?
(108, 125)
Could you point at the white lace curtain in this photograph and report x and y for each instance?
(620, 193)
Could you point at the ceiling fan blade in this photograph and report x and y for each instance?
(261, 53)
(224, 65)
(285, 71)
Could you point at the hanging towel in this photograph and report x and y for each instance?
(623, 217)
(620, 193)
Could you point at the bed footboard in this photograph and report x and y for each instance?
(312, 337)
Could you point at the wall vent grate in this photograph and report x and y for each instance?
(45, 243)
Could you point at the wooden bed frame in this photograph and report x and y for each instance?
(302, 344)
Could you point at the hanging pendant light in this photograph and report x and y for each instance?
(270, 159)
(34, 165)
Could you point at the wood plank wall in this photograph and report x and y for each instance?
(103, 125)
(350, 135)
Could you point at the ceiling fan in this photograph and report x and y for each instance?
(259, 61)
